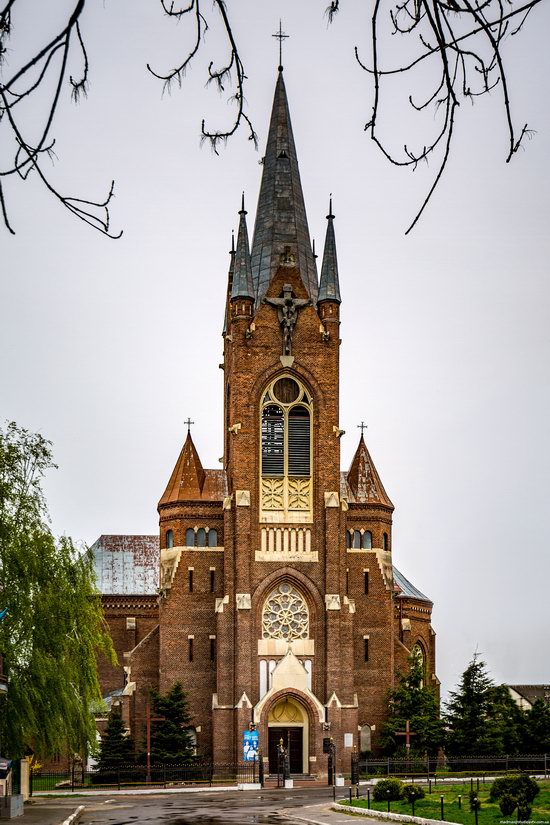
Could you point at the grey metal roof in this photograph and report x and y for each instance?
(407, 589)
(329, 288)
(126, 564)
(281, 219)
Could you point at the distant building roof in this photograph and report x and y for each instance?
(127, 564)
(406, 589)
(532, 692)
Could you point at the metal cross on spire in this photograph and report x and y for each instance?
(188, 422)
(280, 35)
(362, 426)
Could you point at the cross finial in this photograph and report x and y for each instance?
(362, 426)
(188, 422)
(280, 35)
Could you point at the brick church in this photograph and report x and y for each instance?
(272, 597)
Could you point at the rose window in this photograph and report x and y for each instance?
(285, 614)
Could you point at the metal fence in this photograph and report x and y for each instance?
(130, 776)
(455, 766)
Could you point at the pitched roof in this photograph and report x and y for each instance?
(363, 480)
(187, 479)
(532, 692)
(281, 219)
(406, 589)
(329, 288)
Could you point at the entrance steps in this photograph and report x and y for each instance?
(305, 780)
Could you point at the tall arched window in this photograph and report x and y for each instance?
(418, 654)
(367, 540)
(385, 542)
(201, 537)
(356, 540)
(349, 538)
(286, 430)
(212, 538)
(189, 537)
(169, 539)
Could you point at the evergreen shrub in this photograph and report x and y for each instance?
(413, 792)
(391, 789)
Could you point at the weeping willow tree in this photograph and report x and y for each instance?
(53, 628)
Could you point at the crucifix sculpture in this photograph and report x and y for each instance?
(287, 312)
(188, 422)
(362, 426)
(280, 35)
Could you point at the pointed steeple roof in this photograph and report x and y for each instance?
(187, 479)
(363, 479)
(281, 216)
(329, 288)
(243, 286)
(229, 283)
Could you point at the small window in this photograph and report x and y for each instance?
(169, 539)
(366, 581)
(367, 540)
(212, 581)
(349, 537)
(366, 649)
(190, 537)
(385, 543)
(356, 540)
(212, 650)
(212, 538)
(190, 581)
(190, 649)
(201, 537)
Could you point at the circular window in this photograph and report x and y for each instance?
(286, 390)
(285, 614)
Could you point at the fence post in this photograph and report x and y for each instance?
(388, 765)
(254, 770)
(545, 774)
(72, 777)
(118, 778)
(31, 774)
(164, 775)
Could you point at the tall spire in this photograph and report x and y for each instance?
(329, 288)
(281, 220)
(243, 286)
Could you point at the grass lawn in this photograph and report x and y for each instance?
(489, 814)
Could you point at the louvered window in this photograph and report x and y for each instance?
(273, 441)
(298, 442)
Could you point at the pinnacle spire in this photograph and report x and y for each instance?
(229, 283)
(243, 286)
(281, 221)
(187, 479)
(329, 288)
(363, 479)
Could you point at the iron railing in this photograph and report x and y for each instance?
(203, 773)
(455, 765)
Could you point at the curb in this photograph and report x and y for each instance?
(391, 817)
(74, 817)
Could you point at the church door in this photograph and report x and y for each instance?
(293, 739)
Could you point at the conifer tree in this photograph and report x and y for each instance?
(537, 728)
(481, 718)
(172, 741)
(416, 703)
(117, 747)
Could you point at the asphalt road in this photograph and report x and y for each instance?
(227, 808)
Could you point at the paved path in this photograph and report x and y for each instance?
(48, 811)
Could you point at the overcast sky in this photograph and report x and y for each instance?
(107, 346)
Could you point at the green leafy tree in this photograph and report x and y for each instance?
(481, 718)
(54, 626)
(171, 737)
(537, 728)
(117, 747)
(413, 701)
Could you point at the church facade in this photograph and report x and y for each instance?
(278, 606)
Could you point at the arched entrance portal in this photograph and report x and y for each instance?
(288, 720)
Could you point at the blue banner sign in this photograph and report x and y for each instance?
(250, 745)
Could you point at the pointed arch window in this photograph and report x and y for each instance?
(367, 540)
(169, 539)
(286, 449)
(189, 537)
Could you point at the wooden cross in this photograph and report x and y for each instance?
(362, 426)
(407, 733)
(188, 422)
(280, 35)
